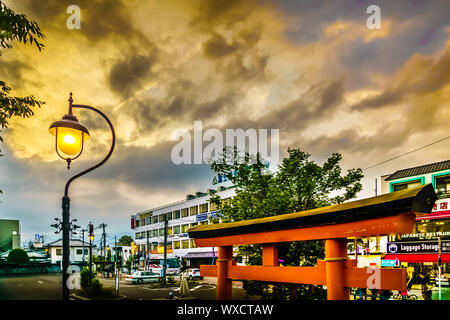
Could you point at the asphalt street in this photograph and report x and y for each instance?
(48, 287)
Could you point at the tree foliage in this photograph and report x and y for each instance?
(16, 27)
(18, 256)
(125, 241)
(299, 184)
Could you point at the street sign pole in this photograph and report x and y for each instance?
(439, 266)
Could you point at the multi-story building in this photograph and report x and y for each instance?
(9, 235)
(149, 229)
(420, 246)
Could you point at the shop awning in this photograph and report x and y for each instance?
(418, 258)
(191, 255)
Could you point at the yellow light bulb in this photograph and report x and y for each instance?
(69, 139)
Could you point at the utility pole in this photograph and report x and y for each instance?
(104, 238)
(147, 258)
(116, 271)
(82, 232)
(165, 248)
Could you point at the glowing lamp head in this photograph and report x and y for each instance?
(91, 237)
(70, 134)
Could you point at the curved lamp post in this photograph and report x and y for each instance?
(69, 140)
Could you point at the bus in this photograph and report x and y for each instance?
(173, 266)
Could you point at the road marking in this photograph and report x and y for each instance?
(40, 282)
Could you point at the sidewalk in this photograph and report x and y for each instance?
(213, 280)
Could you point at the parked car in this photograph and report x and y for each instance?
(193, 273)
(142, 276)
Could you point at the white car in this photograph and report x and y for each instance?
(193, 273)
(142, 276)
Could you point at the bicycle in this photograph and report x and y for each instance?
(403, 296)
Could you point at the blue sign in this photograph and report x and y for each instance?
(389, 263)
(36, 236)
(213, 214)
(202, 217)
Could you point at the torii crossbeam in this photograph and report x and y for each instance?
(391, 213)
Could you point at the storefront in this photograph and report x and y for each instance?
(422, 249)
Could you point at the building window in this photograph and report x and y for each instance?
(155, 219)
(192, 243)
(204, 208)
(226, 201)
(142, 222)
(169, 231)
(161, 218)
(138, 223)
(406, 185)
(176, 214)
(59, 252)
(184, 228)
(155, 232)
(79, 251)
(193, 210)
(184, 212)
(176, 229)
(213, 206)
(169, 216)
(161, 232)
(443, 187)
(176, 244)
(185, 244)
(148, 220)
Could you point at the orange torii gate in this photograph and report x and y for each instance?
(391, 213)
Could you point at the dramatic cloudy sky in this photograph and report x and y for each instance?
(311, 69)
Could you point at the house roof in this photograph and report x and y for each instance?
(415, 171)
(72, 243)
(420, 200)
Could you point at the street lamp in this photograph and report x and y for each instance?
(91, 239)
(69, 139)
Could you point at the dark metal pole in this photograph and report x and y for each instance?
(148, 251)
(66, 199)
(90, 256)
(66, 246)
(82, 231)
(165, 248)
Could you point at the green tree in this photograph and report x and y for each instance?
(18, 256)
(125, 241)
(299, 184)
(16, 27)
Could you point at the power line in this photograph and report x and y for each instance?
(404, 154)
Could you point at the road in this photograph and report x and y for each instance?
(48, 287)
(31, 287)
